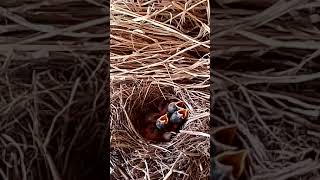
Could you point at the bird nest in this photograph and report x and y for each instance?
(134, 157)
(159, 52)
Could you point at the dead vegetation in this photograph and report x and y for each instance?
(52, 89)
(265, 73)
(159, 46)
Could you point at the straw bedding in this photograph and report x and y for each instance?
(52, 89)
(159, 51)
(266, 80)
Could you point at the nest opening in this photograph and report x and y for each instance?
(145, 102)
(131, 103)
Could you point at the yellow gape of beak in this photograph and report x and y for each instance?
(162, 121)
(184, 113)
(179, 116)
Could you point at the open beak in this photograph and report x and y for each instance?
(181, 104)
(184, 113)
(235, 159)
(164, 119)
(224, 138)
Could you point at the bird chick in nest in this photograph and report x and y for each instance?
(175, 106)
(162, 122)
(155, 128)
(178, 114)
(161, 126)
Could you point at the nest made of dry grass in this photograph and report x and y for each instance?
(159, 49)
(186, 155)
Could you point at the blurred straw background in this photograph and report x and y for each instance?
(52, 89)
(265, 72)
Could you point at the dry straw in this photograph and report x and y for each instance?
(266, 81)
(159, 51)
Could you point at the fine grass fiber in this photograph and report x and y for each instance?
(52, 89)
(159, 52)
(265, 76)
(129, 150)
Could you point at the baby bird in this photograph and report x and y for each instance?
(179, 116)
(172, 107)
(162, 122)
(154, 128)
(151, 133)
(220, 171)
(175, 106)
(181, 104)
(234, 160)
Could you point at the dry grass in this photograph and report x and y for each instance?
(159, 49)
(52, 89)
(266, 80)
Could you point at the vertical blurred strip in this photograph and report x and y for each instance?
(54, 87)
(212, 147)
(265, 76)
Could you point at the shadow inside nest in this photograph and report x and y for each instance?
(147, 105)
(135, 107)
